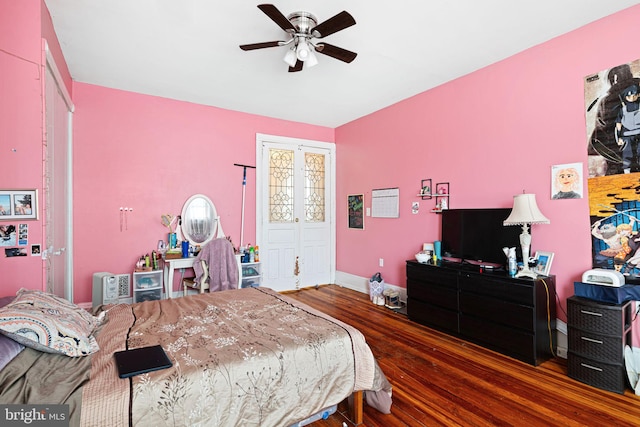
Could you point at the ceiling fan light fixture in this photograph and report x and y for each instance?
(303, 50)
(301, 29)
(312, 60)
(290, 57)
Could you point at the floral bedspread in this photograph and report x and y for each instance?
(247, 357)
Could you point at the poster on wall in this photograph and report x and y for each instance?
(356, 211)
(613, 135)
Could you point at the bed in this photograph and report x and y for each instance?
(249, 357)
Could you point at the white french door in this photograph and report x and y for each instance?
(295, 211)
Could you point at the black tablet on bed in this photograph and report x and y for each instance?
(141, 360)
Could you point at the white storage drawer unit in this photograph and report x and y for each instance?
(147, 285)
(251, 274)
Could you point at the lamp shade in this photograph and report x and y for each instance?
(311, 60)
(525, 211)
(290, 58)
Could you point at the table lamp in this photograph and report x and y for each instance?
(525, 211)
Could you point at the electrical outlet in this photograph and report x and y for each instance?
(561, 352)
(381, 262)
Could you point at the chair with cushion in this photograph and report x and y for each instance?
(191, 283)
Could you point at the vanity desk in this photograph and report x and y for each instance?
(170, 266)
(200, 224)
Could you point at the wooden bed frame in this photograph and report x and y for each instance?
(357, 409)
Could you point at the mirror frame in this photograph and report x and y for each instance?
(185, 216)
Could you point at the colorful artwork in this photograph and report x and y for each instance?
(612, 118)
(612, 101)
(615, 222)
(356, 211)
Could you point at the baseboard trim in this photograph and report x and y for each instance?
(361, 284)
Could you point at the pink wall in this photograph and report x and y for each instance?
(491, 134)
(151, 154)
(23, 24)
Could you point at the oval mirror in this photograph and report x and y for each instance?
(199, 220)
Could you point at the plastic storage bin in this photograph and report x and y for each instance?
(251, 274)
(147, 285)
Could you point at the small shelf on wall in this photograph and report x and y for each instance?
(425, 189)
(442, 197)
(440, 193)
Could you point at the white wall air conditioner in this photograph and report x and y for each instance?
(105, 289)
(110, 288)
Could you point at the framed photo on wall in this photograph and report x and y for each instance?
(18, 204)
(355, 204)
(544, 262)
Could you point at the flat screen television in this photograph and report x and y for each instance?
(477, 236)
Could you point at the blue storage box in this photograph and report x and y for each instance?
(610, 294)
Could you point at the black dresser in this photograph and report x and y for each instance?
(515, 317)
(597, 335)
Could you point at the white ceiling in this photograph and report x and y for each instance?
(188, 49)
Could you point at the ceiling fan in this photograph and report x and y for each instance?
(303, 28)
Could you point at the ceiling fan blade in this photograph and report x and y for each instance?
(259, 45)
(336, 52)
(276, 16)
(297, 67)
(334, 24)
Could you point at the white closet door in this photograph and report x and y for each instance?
(57, 189)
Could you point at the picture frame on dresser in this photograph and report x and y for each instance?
(544, 262)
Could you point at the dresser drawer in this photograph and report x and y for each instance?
(434, 294)
(605, 348)
(503, 289)
(512, 342)
(499, 311)
(432, 316)
(606, 319)
(595, 373)
(432, 275)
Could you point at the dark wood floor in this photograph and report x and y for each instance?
(439, 380)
